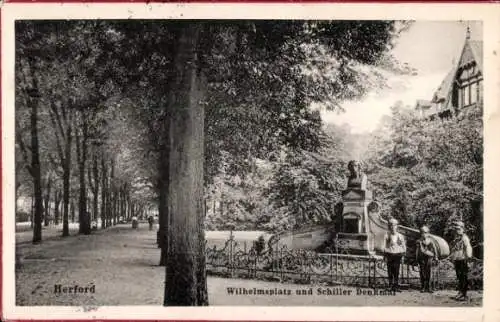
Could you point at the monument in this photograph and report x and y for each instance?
(354, 233)
(357, 226)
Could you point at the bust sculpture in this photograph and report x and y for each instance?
(357, 179)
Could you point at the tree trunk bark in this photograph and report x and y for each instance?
(125, 194)
(115, 208)
(57, 201)
(118, 204)
(129, 214)
(111, 191)
(93, 180)
(95, 188)
(163, 215)
(185, 266)
(47, 202)
(66, 179)
(73, 211)
(35, 166)
(61, 206)
(32, 217)
(108, 205)
(83, 216)
(163, 169)
(122, 203)
(95, 205)
(103, 193)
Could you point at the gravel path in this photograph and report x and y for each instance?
(121, 263)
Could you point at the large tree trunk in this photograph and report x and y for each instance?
(125, 203)
(163, 214)
(62, 122)
(73, 211)
(83, 216)
(115, 208)
(162, 187)
(110, 195)
(57, 201)
(123, 207)
(96, 205)
(185, 267)
(66, 178)
(131, 208)
(108, 206)
(35, 166)
(32, 214)
(103, 193)
(47, 202)
(93, 179)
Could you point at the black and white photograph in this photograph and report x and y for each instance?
(247, 162)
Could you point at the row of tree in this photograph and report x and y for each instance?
(68, 131)
(136, 113)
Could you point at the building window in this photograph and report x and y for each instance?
(473, 93)
(466, 96)
(470, 94)
(480, 90)
(460, 100)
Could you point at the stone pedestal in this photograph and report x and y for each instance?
(354, 236)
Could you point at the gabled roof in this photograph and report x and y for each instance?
(477, 50)
(445, 87)
(472, 50)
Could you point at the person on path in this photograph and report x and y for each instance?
(461, 252)
(394, 250)
(151, 222)
(426, 254)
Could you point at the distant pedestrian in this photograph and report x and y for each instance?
(461, 252)
(394, 250)
(426, 254)
(151, 222)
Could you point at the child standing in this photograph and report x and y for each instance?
(461, 252)
(426, 253)
(394, 249)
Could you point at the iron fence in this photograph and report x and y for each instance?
(240, 259)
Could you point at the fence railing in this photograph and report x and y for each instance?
(240, 259)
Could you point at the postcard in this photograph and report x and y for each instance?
(250, 161)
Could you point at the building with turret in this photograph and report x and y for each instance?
(461, 88)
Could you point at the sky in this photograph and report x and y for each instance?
(429, 46)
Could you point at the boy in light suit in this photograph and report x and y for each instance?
(461, 252)
(394, 249)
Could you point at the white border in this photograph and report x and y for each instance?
(488, 13)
